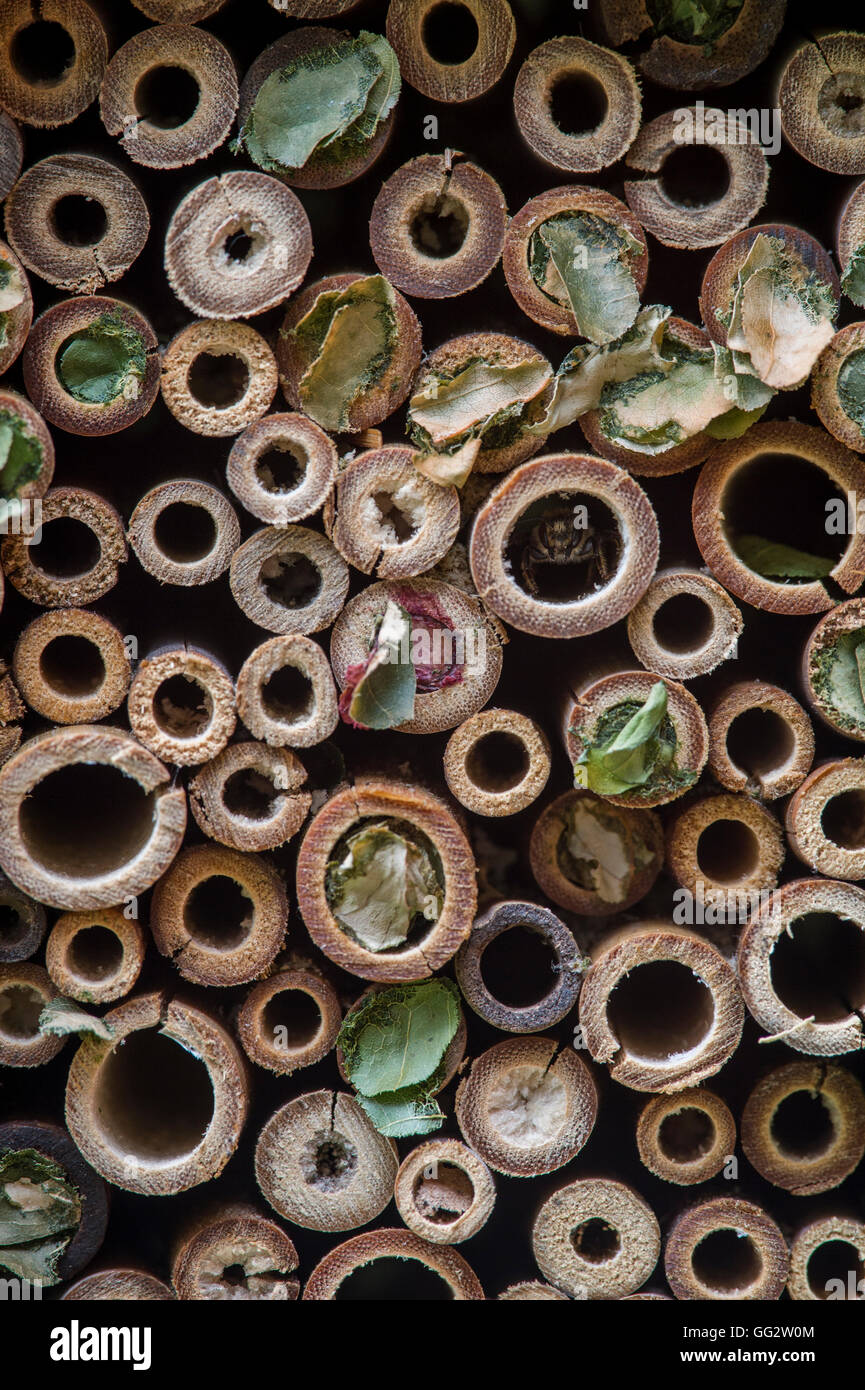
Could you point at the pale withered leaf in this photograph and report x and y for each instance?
(450, 470)
(354, 350)
(63, 1016)
(586, 269)
(39, 1212)
(383, 882)
(11, 286)
(600, 850)
(381, 691)
(782, 315)
(385, 90)
(447, 410)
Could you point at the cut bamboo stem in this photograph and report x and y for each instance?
(218, 377)
(16, 320)
(178, 11)
(830, 1247)
(283, 468)
(25, 989)
(596, 1239)
(532, 1291)
(184, 532)
(822, 660)
(725, 843)
(389, 519)
(693, 64)
(497, 762)
(52, 1142)
(290, 1020)
(827, 395)
(118, 1285)
(803, 1127)
(444, 1193)
(11, 153)
(285, 693)
(16, 410)
(594, 857)
(71, 666)
(685, 625)
(543, 955)
(820, 95)
(687, 1138)
(726, 1248)
(760, 740)
(249, 797)
(289, 579)
(393, 1249)
(77, 557)
(95, 956)
(825, 819)
(577, 105)
(53, 59)
(22, 923)
(235, 1253)
(181, 705)
(446, 63)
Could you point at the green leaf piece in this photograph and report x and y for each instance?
(381, 691)
(402, 1115)
(582, 262)
(448, 411)
(383, 882)
(694, 21)
(103, 362)
(21, 456)
(348, 338)
(837, 677)
(39, 1212)
(63, 1016)
(776, 561)
(851, 388)
(853, 279)
(628, 757)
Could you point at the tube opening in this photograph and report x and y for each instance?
(288, 696)
(578, 103)
(497, 762)
(42, 53)
(683, 623)
(218, 380)
(166, 97)
(842, 819)
(79, 220)
(450, 33)
(781, 499)
(759, 742)
(817, 967)
(397, 524)
(282, 468)
(72, 665)
(564, 547)
(695, 176)
(439, 227)
(328, 1161)
(218, 913)
(14, 927)
(94, 953)
(291, 1019)
(185, 532)
(802, 1126)
(686, 1135)
(85, 820)
(153, 1099)
(392, 1280)
(728, 851)
(659, 1010)
(20, 1007)
(726, 1261)
(596, 1241)
(519, 967)
(250, 794)
(67, 548)
(443, 1193)
(832, 1260)
(182, 707)
(290, 580)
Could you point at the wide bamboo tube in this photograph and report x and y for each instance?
(71, 666)
(760, 740)
(803, 1127)
(397, 1247)
(577, 105)
(542, 955)
(455, 56)
(51, 60)
(95, 956)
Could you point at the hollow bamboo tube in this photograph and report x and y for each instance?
(285, 693)
(235, 1237)
(726, 1248)
(322, 1165)
(429, 822)
(184, 532)
(25, 989)
(49, 208)
(48, 77)
(181, 705)
(118, 1284)
(218, 377)
(71, 666)
(393, 1247)
(11, 153)
(452, 78)
(289, 579)
(220, 915)
(95, 957)
(15, 320)
(822, 659)
(497, 762)
(88, 818)
(824, 819)
(554, 66)
(661, 1007)
(178, 11)
(564, 968)
(64, 567)
(444, 1193)
(17, 411)
(820, 94)
(826, 1248)
(389, 519)
(686, 1138)
(803, 1127)
(249, 797)
(594, 857)
(725, 843)
(685, 625)
(283, 468)
(532, 1291)
(596, 1239)
(826, 397)
(290, 1020)
(527, 1106)
(53, 1142)
(136, 105)
(22, 923)
(760, 740)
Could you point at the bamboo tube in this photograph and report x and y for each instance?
(53, 58)
(596, 1239)
(213, 1250)
(77, 221)
(77, 556)
(532, 1291)
(118, 1285)
(133, 370)
(726, 843)
(161, 1107)
(539, 968)
(289, 579)
(95, 956)
(236, 245)
(726, 1248)
(527, 1106)
(825, 822)
(52, 1142)
(827, 394)
(734, 192)
(22, 923)
(801, 964)
(727, 500)
(389, 519)
(823, 1249)
(25, 989)
(71, 666)
(184, 532)
(285, 693)
(689, 62)
(444, 1193)
(11, 153)
(497, 762)
(444, 1273)
(218, 377)
(760, 740)
(453, 55)
(250, 797)
(16, 320)
(181, 705)
(820, 94)
(661, 1007)
(850, 233)
(126, 827)
(282, 469)
(620, 517)
(170, 94)
(686, 1138)
(561, 202)
(593, 856)
(322, 1165)
(290, 1020)
(834, 637)
(220, 915)
(178, 11)
(803, 1127)
(685, 625)
(26, 422)
(577, 105)
(437, 226)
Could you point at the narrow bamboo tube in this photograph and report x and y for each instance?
(170, 94)
(497, 762)
(95, 956)
(161, 1107)
(825, 819)
(126, 825)
(675, 220)
(826, 1248)
(446, 63)
(726, 1248)
(118, 1285)
(685, 625)
(283, 468)
(760, 740)
(22, 923)
(53, 58)
(15, 321)
(218, 377)
(820, 94)
(184, 532)
(532, 1291)
(322, 1165)
(235, 1238)
(77, 221)
(66, 567)
(178, 11)
(290, 1020)
(577, 105)
(431, 824)
(552, 965)
(437, 226)
(389, 519)
(285, 693)
(596, 1239)
(801, 964)
(25, 989)
(250, 797)
(17, 411)
(52, 1142)
(289, 579)
(71, 666)
(11, 153)
(686, 1138)
(661, 1007)
(726, 843)
(181, 705)
(444, 1193)
(826, 398)
(238, 244)
(803, 1127)
(220, 915)
(633, 841)
(694, 66)
(844, 623)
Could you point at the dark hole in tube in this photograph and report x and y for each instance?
(95, 953)
(726, 1261)
(802, 1126)
(42, 53)
(166, 97)
(153, 1098)
(450, 33)
(660, 1009)
(67, 547)
(818, 967)
(79, 220)
(218, 913)
(185, 532)
(395, 1281)
(72, 665)
(86, 819)
(578, 103)
(695, 176)
(295, 1013)
(518, 967)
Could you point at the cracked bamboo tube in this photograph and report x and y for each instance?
(433, 59)
(184, 532)
(213, 1249)
(388, 518)
(71, 666)
(25, 989)
(827, 397)
(686, 1138)
(218, 377)
(397, 1248)
(825, 819)
(726, 1248)
(820, 94)
(739, 49)
(181, 705)
(283, 468)
(48, 78)
(444, 1192)
(685, 625)
(286, 693)
(593, 857)
(118, 1284)
(532, 1291)
(596, 1239)
(62, 566)
(843, 623)
(95, 956)
(250, 797)
(760, 740)
(726, 843)
(22, 923)
(497, 762)
(549, 71)
(297, 1002)
(803, 1127)
(289, 579)
(825, 1248)
(552, 963)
